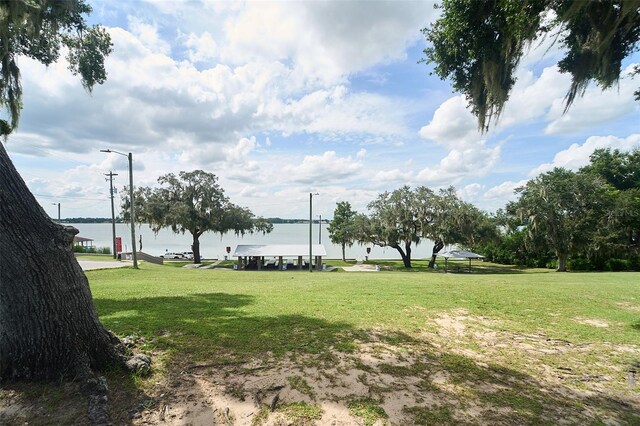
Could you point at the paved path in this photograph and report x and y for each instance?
(213, 265)
(359, 267)
(88, 265)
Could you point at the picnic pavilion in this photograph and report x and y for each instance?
(85, 243)
(278, 256)
(459, 255)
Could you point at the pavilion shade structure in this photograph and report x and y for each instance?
(254, 256)
(459, 255)
(82, 241)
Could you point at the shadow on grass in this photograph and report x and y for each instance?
(206, 326)
(454, 267)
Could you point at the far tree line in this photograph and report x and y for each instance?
(119, 219)
(584, 220)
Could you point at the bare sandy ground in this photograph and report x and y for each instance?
(429, 380)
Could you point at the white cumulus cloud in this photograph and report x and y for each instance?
(201, 48)
(577, 155)
(323, 168)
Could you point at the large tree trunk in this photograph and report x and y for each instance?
(344, 258)
(437, 246)
(49, 327)
(195, 246)
(562, 262)
(406, 257)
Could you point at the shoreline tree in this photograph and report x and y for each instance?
(394, 222)
(479, 44)
(404, 217)
(621, 170)
(453, 221)
(584, 220)
(341, 229)
(192, 202)
(563, 210)
(49, 327)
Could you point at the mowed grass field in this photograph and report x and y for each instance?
(390, 347)
(248, 313)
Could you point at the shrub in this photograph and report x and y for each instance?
(512, 249)
(618, 265)
(580, 264)
(99, 250)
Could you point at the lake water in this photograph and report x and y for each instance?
(213, 246)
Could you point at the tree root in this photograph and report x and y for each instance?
(96, 390)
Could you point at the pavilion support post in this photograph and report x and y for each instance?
(300, 263)
(280, 263)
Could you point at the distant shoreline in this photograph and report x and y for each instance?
(273, 220)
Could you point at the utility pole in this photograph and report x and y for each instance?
(310, 231)
(132, 213)
(311, 194)
(133, 218)
(320, 230)
(113, 213)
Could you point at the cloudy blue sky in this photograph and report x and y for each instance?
(280, 99)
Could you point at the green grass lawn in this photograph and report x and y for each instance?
(497, 346)
(94, 256)
(232, 309)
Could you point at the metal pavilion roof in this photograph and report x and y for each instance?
(274, 250)
(460, 255)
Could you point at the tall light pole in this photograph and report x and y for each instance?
(320, 229)
(113, 213)
(132, 214)
(58, 210)
(311, 194)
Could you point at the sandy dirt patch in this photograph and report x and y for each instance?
(459, 374)
(592, 322)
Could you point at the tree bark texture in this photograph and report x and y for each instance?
(49, 327)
